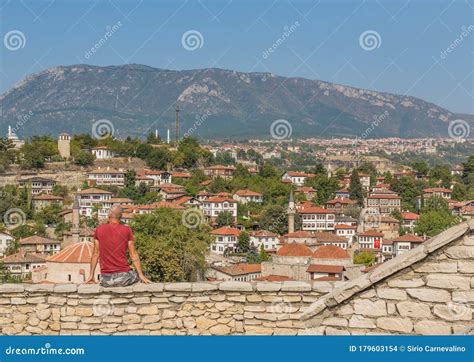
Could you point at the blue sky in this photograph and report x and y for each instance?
(408, 58)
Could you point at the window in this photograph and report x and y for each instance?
(69, 278)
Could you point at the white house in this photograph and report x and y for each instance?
(93, 197)
(238, 272)
(102, 153)
(224, 238)
(246, 196)
(296, 178)
(409, 220)
(5, 240)
(158, 177)
(405, 243)
(317, 219)
(346, 231)
(264, 238)
(213, 206)
(106, 176)
(370, 239)
(22, 263)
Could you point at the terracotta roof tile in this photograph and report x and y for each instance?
(330, 252)
(294, 249)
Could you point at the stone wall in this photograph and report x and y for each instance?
(428, 290)
(158, 309)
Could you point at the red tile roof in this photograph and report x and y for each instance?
(48, 197)
(93, 190)
(383, 196)
(226, 231)
(344, 226)
(247, 193)
(408, 238)
(410, 215)
(220, 199)
(330, 252)
(294, 249)
(241, 269)
(307, 209)
(373, 233)
(76, 253)
(38, 240)
(437, 189)
(299, 234)
(263, 233)
(23, 257)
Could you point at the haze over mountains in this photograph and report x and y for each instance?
(229, 104)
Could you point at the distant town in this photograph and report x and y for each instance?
(274, 210)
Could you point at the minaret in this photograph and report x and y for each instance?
(168, 136)
(291, 214)
(177, 123)
(75, 229)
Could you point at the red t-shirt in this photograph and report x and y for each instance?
(113, 244)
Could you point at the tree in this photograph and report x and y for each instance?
(421, 167)
(326, 187)
(244, 242)
(225, 218)
(83, 158)
(355, 188)
(274, 218)
(364, 257)
(433, 222)
(264, 255)
(409, 190)
(459, 192)
(169, 251)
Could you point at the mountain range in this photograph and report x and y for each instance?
(213, 103)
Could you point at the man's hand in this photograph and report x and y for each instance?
(144, 279)
(91, 280)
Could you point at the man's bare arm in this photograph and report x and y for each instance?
(95, 259)
(136, 261)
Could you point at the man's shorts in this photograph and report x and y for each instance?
(119, 279)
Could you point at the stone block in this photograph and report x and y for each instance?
(268, 286)
(396, 264)
(178, 287)
(466, 267)
(429, 294)
(405, 283)
(432, 328)
(414, 310)
(368, 308)
(436, 267)
(65, 288)
(234, 286)
(295, 286)
(152, 288)
(392, 293)
(89, 289)
(460, 252)
(444, 281)
(400, 325)
(357, 321)
(11, 288)
(204, 287)
(335, 322)
(453, 311)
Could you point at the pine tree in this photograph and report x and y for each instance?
(355, 188)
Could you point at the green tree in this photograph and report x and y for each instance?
(243, 243)
(83, 158)
(169, 251)
(433, 222)
(459, 192)
(274, 218)
(364, 257)
(225, 218)
(355, 188)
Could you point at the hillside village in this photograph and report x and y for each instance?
(217, 212)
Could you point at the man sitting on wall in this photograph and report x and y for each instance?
(111, 243)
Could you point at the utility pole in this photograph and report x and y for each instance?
(177, 124)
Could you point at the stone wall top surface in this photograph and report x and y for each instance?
(198, 287)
